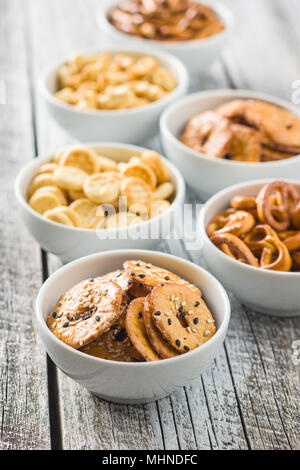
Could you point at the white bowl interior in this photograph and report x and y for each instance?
(95, 265)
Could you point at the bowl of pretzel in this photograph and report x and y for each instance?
(194, 31)
(251, 243)
(115, 93)
(132, 325)
(222, 137)
(95, 197)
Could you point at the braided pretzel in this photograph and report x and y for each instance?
(235, 248)
(277, 211)
(236, 222)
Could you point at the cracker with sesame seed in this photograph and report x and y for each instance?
(120, 277)
(151, 276)
(135, 327)
(114, 345)
(186, 331)
(160, 345)
(86, 311)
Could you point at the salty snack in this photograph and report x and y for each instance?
(167, 20)
(80, 188)
(261, 231)
(244, 130)
(107, 316)
(112, 81)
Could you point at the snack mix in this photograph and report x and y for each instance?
(113, 81)
(139, 313)
(81, 188)
(246, 131)
(262, 231)
(166, 20)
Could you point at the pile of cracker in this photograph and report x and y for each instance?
(246, 131)
(81, 188)
(166, 20)
(139, 313)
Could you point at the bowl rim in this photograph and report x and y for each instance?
(180, 190)
(222, 11)
(226, 93)
(167, 59)
(139, 253)
(221, 195)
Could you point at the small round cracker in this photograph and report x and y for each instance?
(47, 168)
(69, 177)
(158, 207)
(86, 311)
(136, 331)
(43, 179)
(160, 345)
(137, 169)
(44, 201)
(102, 188)
(122, 219)
(154, 160)
(90, 214)
(150, 275)
(63, 215)
(191, 321)
(79, 156)
(137, 191)
(164, 191)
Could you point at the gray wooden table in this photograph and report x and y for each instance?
(249, 397)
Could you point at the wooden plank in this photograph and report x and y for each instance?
(24, 417)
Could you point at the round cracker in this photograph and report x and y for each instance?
(44, 201)
(154, 160)
(89, 213)
(137, 169)
(164, 191)
(136, 331)
(79, 156)
(63, 215)
(158, 342)
(69, 177)
(138, 192)
(120, 277)
(102, 188)
(191, 321)
(150, 275)
(44, 179)
(86, 311)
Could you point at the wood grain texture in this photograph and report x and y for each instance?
(24, 419)
(249, 396)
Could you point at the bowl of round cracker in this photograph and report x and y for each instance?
(112, 94)
(96, 197)
(256, 261)
(222, 137)
(202, 30)
(91, 350)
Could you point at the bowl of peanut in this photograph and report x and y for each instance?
(97, 197)
(113, 94)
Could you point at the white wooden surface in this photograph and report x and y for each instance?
(249, 397)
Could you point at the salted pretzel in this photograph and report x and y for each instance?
(236, 222)
(234, 247)
(277, 211)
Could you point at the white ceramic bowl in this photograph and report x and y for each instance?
(131, 382)
(272, 292)
(124, 125)
(208, 175)
(195, 54)
(70, 243)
